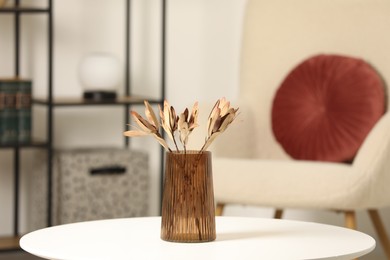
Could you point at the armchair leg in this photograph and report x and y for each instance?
(350, 219)
(380, 230)
(278, 213)
(219, 209)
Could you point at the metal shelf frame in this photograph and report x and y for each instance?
(17, 11)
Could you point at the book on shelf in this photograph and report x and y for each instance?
(15, 110)
(23, 108)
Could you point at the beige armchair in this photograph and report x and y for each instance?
(249, 166)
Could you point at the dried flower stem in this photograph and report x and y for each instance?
(174, 141)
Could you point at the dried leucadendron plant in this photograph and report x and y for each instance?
(221, 116)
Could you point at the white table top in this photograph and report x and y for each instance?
(237, 238)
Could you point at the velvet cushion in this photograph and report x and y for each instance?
(326, 106)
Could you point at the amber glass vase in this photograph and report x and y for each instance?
(188, 213)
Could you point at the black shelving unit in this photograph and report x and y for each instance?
(11, 243)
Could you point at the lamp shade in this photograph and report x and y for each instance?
(100, 72)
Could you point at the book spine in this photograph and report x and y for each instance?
(8, 113)
(23, 107)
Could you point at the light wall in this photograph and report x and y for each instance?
(203, 39)
(203, 47)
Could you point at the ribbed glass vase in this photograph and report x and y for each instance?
(188, 213)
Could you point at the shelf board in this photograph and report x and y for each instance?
(9, 243)
(125, 100)
(34, 143)
(23, 10)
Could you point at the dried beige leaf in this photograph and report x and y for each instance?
(134, 133)
(150, 115)
(165, 117)
(162, 141)
(184, 133)
(193, 121)
(173, 119)
(209, 141)
(213, 119)
(142, 123)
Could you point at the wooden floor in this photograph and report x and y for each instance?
(10, 250)
(17, 255)
(9, 243)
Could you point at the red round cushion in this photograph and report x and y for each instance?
(326, 106)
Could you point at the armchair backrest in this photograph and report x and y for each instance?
(373, 162)
(279, 34)
(376, 146)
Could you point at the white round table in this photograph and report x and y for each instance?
(237, 238)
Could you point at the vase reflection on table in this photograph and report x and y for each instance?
(188, 211)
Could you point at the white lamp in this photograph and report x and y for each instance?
(100, 76)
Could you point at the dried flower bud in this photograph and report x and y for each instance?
(146, 127)
(221, 116)
(186, 124)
